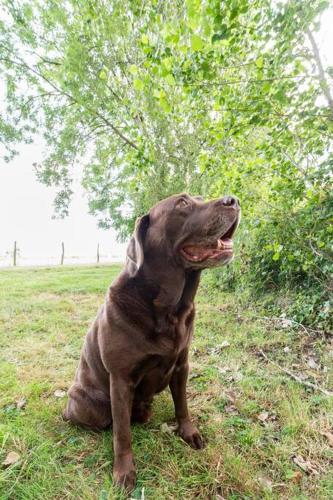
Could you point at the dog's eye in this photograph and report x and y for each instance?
(182, 203)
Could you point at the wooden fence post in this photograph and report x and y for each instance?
(97, 253)
(62, 253)
(14, 253)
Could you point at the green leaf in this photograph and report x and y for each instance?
(260, 62)
(222, 34)
(197, 43)
(170, 79)
(280, 96)
(167, 63)
(165, 105)
(103, 75)
(138, 84)
(133, 69)
(266, 86)
(144, 39)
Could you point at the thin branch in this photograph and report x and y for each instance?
(296, 377)
(44, 59)
(38, 96)
(250, 80)
(324, 255)
(115, 129)
(306, 329)
(321, 73)
(75, 101)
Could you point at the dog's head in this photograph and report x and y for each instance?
(186, 230)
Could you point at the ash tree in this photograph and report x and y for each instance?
(158, 97)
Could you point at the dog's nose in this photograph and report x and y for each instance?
(230, 201)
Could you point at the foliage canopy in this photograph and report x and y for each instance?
(203, 96)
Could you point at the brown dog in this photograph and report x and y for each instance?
(139, 342)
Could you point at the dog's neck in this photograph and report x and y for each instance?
(174, 292)
(171, 285)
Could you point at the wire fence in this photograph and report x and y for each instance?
(15, 258)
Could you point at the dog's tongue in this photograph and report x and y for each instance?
(199, 252)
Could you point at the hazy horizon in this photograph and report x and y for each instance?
(27, 206)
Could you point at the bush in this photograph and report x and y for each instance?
(288, 252)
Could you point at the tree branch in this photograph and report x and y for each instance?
(211, 83)
(296, 377)
(75, 101)
(321, 73)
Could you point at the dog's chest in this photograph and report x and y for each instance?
(162, 352)
(177, 336)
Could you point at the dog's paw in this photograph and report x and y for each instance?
(124, 474)
(190, 434)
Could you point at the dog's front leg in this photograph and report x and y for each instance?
(121, 392)
(187, 431)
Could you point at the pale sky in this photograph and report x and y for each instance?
(26, 205)
(26, 211)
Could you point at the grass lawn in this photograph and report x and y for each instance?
(268, 435)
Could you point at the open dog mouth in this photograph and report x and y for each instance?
(221, 248)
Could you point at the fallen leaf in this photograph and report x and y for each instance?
(11, 459)
(168, 428)
(329, 437)
(225, 344)
(312, 364)
(59, 393)
(231, 396)
(224, 369)
(21, 403)
(305, 465)
(236, 377)
(296, 477)
(218, 348)
(231, 409)
(265, 482)
(263, 416)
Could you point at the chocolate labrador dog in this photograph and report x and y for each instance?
(138, 344)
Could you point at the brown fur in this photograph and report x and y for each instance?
(138, 344)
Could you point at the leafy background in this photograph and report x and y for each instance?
(207, 97)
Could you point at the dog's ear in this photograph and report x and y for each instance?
(135, 249)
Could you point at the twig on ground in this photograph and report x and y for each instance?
(306, 329)
(296, 377)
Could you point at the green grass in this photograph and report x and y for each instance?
(44, 314)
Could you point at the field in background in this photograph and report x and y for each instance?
(268, 435)
(46, 261)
